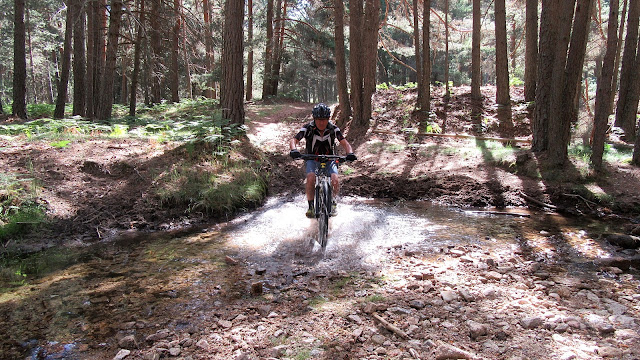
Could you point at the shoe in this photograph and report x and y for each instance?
(310, 213)
(334, 209)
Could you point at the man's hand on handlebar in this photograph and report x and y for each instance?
(295, 154)
(351, 157)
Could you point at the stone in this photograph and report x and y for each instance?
(175, 351)
(123, 353)
(417, 304)
(477, 329)
(448, 295)
(128, 342)
(202, 344)
(531, 322)
(161, 334)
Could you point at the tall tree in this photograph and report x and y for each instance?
(446, 50)
(417, 50)
(249, 91)
(63, 82)
(356, 59)
(603, 93)
(531, 50)
(278, 46)
(341, 65)
(370, 51)
(135, 74)
(426, 57)
(174, 82)
(502, 59)
(106, 90)
(156, 51)
(79, 58)
(209, 91)
(476, 60)
(268, 53)
(19, 62)
(625, 109)
(232, 87)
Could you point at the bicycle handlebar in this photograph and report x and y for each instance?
(323, 158)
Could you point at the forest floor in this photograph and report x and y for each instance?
(158, 283)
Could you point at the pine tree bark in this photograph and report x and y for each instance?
(232, 90)
(356, 59)
(426, 57)
(19, 62)
(625, 112)
(91, 59)
(106, 92)
(417, 50)
(370, 51)
(531, 50)
(502, 59)
(603, 93)
(268, 53)
(447, 91)
(79, 59)
(156, 52)
(175, 53)
(63, 83)
(136, 61)
(209, 92)
(476, 60)
(341, 65)
(249, 91)
(278, 46)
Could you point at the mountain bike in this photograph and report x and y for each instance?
(323, 199)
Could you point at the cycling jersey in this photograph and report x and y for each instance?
(320, 144)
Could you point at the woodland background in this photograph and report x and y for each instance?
(577, 60)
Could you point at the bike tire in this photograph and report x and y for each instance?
(323, 214)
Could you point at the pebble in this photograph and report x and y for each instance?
(531, 322)
(477, 329)
(448, 295)
(123, 353)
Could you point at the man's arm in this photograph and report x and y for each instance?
(293, 144)
(346, 146)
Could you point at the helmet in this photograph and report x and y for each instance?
(321, 111)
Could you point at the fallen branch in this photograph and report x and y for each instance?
(387, 325)
(587, 202)
(461, 136)
(533, 200)
(490, 212)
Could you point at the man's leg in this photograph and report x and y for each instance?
(310, 186)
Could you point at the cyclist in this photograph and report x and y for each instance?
(320, 136)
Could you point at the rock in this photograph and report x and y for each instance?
(568, 356)
(226, 324)
(175, 351)
(493, 275)
(256, 288)
(610, 352)
(599, 324)
(446, 351)
(161, 334)
(378, 339)
(417, 304)
(477, 329)
(278, 351)
(373, 307)
(614, 307)
(202, 344)
(448, 295)
(623, 241)
(123, 353)
(626, 334)
(128, 342)
(531, 322)
(230, 261)
(466, 295)
(355, 318)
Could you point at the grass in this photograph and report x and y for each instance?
(205, 180)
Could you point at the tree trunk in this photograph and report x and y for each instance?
(603, 93)
(136, 61)
(209, 91)
(447, 94)
(531, 50)
(502, 58)
(370, 51)
(635, 160)
(341, 66)
(79, 59)
(268, 53)
(278, 46)
(156, 52)
(33, 87)
(91, 59)
(616, 66)
(63, 83)
(417, 47)
(476, 59)
(575, 63)
(231, 93)
(175, 52)
(19, 62)
(249, 91)
(625, 112)
(356, 60)
(106, 93)
(426, 58)
(559, 125)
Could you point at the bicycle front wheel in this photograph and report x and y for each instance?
(323, 202)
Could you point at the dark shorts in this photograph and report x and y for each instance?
(312, 165)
